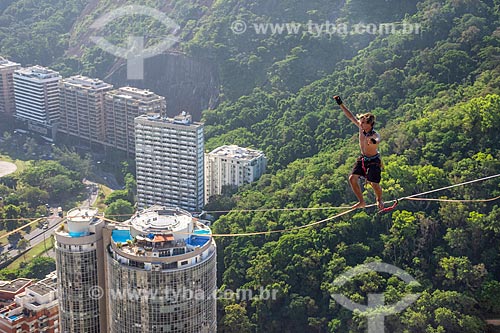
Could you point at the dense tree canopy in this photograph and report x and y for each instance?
(436, 95)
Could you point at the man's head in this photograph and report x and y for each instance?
(367, 121)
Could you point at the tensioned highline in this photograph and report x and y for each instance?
(349, 209)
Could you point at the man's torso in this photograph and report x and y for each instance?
(368, 149)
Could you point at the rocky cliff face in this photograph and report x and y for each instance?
(188, 84)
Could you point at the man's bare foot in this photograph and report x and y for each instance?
(360, 204)
(380, 205)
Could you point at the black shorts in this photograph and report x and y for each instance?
(372, 167)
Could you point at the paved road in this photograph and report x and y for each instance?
(92, 192)
(108, 179)
(38, 235)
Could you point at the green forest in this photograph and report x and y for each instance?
(436, 95)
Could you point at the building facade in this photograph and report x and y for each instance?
(121, 106)
(7, 100)
(82, 108)
(229, 167)
(169, 162)
(36, 91)
(35, 310)
(162, 274)
(80, 272)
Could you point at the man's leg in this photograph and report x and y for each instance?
(378, 193)
(353, 180)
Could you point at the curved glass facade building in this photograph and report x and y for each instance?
(80, 273)
(161, 273)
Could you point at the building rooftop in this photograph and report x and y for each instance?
(160, 219)
(135, 93)
(11, 312)
(45, 286)
(83, 82)
(161, 246)
(5, 63)
(79, 221)
(161, 232)
(82, 214)
(38, 72)
(14, 285)
(35, 298)
(233, 151)
(184, 118)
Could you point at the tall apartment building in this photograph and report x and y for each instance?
(36, 91)
(162, 274)
(121, 106)
(35, 310)
(153, 273)
(232, 166)
(169, 161)
(80, 272)
(82, 108)
(7, 101)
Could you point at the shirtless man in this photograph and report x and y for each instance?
(368, 165)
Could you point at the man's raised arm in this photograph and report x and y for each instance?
(346, 110)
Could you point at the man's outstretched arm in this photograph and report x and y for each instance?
(346, 110)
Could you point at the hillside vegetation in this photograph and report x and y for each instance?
(436, 95)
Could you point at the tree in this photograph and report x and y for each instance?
(115, 195)
(22, 245)
(131, 187)
(38, 268)
(73, 161)
(235, 320)
(460, 274)
(30, 146)
(489, 296)
(120, 210)
(12, 198)
(61, 187)
(220, 203)
(442, 311)
(12, 214)
(33, 196)
(36, 173)
(401, 241)
(9, 274)
(14, 238)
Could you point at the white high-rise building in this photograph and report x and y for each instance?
(169, 161)
(36, 91)
(82, 108)
(229, 167)
(7, 102)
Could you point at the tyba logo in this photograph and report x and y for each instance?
(135, 52)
